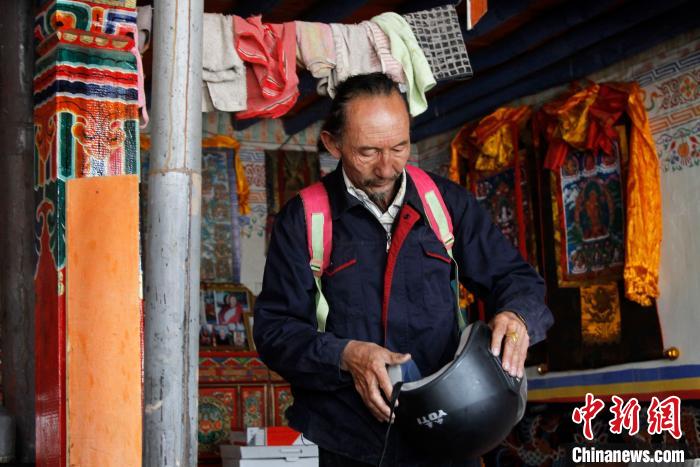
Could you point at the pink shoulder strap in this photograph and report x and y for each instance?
(425, 186)
(317, 212)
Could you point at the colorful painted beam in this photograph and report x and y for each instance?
(114, 17)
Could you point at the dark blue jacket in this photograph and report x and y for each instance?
(420, 317)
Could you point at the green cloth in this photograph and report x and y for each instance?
(405, 49)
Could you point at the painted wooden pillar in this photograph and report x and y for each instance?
(87, 310)
(173, 236)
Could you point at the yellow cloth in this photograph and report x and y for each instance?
(573, 116)
(492, 140)
(242, 187)
(643, 235)
(496, 137)
(459, 149)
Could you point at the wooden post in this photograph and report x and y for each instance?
(173, 236)
(17, 253)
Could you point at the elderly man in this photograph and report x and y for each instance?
(388, 285)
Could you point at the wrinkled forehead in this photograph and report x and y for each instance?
(377, 119)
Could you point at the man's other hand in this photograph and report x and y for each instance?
(506, 325)
(367, 363)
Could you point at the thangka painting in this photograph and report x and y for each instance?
(588, 211)
(221, 238)
(496, 192)
(287, 172)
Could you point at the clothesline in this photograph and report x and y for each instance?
(250, 67)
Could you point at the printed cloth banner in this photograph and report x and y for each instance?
(221, 233)
(223, 190)
(588, 215)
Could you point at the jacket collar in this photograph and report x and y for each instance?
(340, 200)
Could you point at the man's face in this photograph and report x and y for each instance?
(375, 144)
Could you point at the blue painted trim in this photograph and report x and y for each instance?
(597, 57)
(569, 44)
(87, 91)
(616, 377)
(551, 24)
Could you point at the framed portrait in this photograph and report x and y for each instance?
(222, 315)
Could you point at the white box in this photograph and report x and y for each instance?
(269, 456)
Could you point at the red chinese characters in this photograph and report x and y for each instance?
(665, 416)
(662, 415)
(626, 415)
(587, 413)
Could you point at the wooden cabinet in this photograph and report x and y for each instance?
(236, 391)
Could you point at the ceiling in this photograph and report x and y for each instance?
(518, 48)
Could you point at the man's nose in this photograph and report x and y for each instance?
(384, 167)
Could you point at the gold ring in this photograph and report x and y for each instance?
(513, 336)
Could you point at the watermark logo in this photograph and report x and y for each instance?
(432, 418)
(662, 415)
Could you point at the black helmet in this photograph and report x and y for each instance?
(466, 408)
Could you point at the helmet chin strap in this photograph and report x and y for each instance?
(396, 390)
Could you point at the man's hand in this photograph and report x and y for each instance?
(367, 363)
(506, 324)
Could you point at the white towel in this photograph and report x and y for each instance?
(144, 18)
(223, 71)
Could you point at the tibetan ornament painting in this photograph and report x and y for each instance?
(217, 417)
(496, 192)
(589, 217)
(221, 251)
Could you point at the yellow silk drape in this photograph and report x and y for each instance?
(493, 140)
(643, 236)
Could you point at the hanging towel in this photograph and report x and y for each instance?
(354, 55)
(405, 49)
(316, 50)
(144, 18)
(382, 47)
(440, 37)
(270, 51)
(223, 72)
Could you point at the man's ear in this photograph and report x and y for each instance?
(330, 144)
